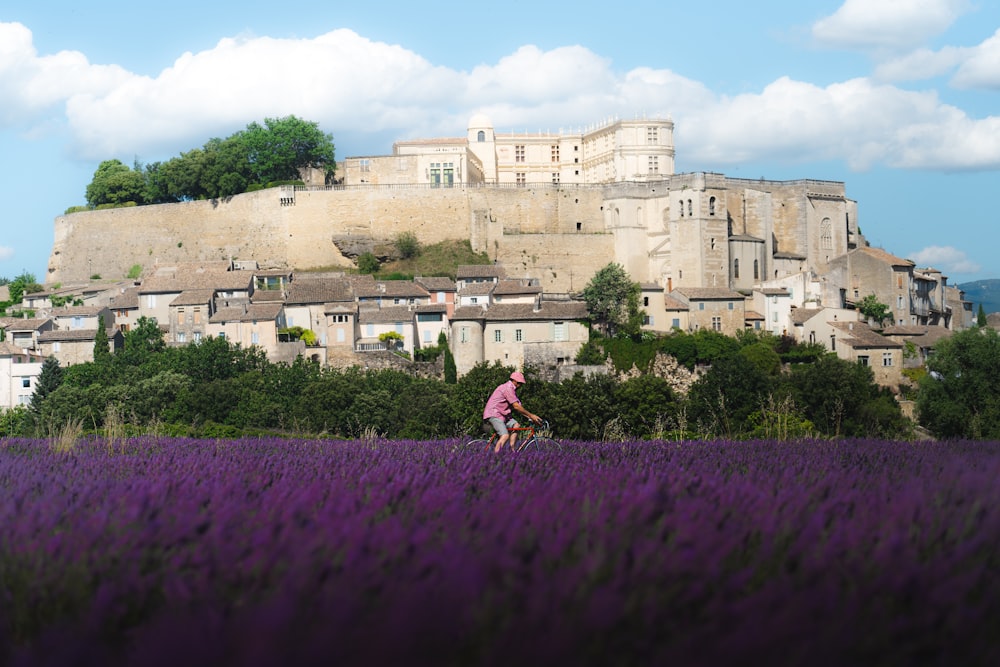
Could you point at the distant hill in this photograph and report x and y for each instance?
(986, 292)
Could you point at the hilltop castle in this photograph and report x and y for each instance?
(551, 206)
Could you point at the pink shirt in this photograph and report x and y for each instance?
(501, 400)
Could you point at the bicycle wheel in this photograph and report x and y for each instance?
(541, 443)
(476, 445)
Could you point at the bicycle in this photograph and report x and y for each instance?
(530, 438)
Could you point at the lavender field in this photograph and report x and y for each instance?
(263, 552)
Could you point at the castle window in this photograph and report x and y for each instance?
(825, 234)
(497, 336)
(654, 164)
(652, 135)
(481, 136)
(756, 269)
(736, 268)
(887, 358)
(518, 335)
(711, 205)
(519, 153)
(555, 153)
(520, 178)
(712, 242)
(555, 179)
(689, 208)
(682, 208)
(716, 323)
(364, 165)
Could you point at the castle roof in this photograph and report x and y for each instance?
(194, 297)
(886, 257)
(126, 299)
(436, 283)
(708, 294)
(387, 315)
(314, 290)
(391, 289)
(467, 271)
(72, 335)
(248, 312)
(217, 280)
(513, 312)
(860, 335)
(508, 287)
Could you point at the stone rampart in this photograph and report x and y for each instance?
(556, 230)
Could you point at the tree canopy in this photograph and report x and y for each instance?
(274, 151)
(960, 395)
(613, 300)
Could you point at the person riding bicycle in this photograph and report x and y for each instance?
(498, 411)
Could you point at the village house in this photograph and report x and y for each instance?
(442, 290)
(715, 308)
(23, 332)
(76, 346)
(867, 270)
(250, 324)
(19, 371)
(545, 333)
(857, 342)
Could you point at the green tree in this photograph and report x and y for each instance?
(279, 148)
(613, 299)
(49, 379)
(981, 317)
(23, 284)
(841, 399)
(960, 395)
(874, 310)
(102, 351)
(450, 369)
(407, 245)
(368, 263)
(723, 399)
(115, 183)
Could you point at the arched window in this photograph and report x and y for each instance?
(481, 136)
(711, 205)
(736, 268)
(825, 234)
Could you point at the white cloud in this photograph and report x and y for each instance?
(353, 86)
(858, 121)
(922, 64)
(6, 252)
(31, 84)
(982, 68)
(887, 25)
(946, 259)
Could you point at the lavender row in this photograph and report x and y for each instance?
(251, 552)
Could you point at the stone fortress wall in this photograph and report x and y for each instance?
(673, 231)
(557, 234)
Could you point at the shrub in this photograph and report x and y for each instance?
(368, 263)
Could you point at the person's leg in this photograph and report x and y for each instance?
(512, 423)
(501, 428)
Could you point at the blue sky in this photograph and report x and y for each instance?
(897, 98)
